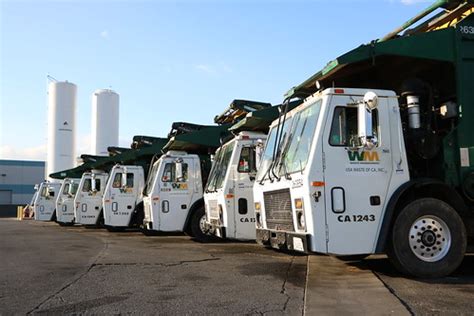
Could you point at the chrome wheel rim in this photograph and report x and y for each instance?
(202, 224)
(429, 238)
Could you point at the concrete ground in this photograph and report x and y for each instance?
(49, 269)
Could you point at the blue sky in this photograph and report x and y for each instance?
(169, 60)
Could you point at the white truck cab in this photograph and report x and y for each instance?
(228, 194)
(65, 201)
(123, 193)
(173, 194)
(45, 203)
(88, 201)
(336, 167)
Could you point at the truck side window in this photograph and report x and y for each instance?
(87, 185)
(117, 180)
(66, 189)
(344, 127)
(169, 173)
(97, 184)
(130, 177)
(247, 160)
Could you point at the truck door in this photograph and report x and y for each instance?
(243, 202)
(121, 198)
(356, 179)
(175, 194)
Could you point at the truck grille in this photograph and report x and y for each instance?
(213, 210)
(278, 210)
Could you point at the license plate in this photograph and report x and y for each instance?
(298, 244)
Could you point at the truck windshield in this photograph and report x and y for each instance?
(267, 156)
(219, 168)
(151, 177)
(295, 153)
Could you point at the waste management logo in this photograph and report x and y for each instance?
(356, 156)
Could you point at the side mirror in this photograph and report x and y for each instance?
(179, 171)
(259, 152)
(364, 124)
(124, 180)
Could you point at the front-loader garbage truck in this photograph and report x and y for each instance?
(379, 158)
(122, 199)
(228, 194)
(173, 197)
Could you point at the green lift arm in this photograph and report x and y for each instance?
(442, 57)
(260, 120)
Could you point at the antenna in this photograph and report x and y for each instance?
(51, 78)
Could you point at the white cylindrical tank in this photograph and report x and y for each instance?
(105, 121)
(62, 100)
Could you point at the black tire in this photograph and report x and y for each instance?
(66, 224)
(100, 220)
(54, 218)
(114, 229)
(196, 225)
(419, 228)
(352, 257)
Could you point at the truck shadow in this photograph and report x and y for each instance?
(463, 275)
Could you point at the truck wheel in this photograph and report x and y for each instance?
(428, 239)
(114, 229)
(198, 228)
(100, 220)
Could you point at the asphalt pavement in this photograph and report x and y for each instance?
(49, 269)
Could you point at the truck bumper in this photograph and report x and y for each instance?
(284, 240)
(215, 229)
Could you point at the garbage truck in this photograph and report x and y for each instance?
(122, 199)
(65, 201)
(228, 195)
(173, 197)
(88, 202)
(379, 157)
(44, 205)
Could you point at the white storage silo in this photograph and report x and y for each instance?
(62, 100)
(105, 121)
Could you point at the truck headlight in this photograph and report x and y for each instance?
(257, 206)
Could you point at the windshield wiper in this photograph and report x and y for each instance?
(276, 159)
(276, 146)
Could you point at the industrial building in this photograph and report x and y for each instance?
(17, 181)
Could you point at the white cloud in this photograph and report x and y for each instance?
(28, 153)
(104, 34)
(205, 68)
(217, 68)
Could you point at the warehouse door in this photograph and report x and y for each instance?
(5, 197)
